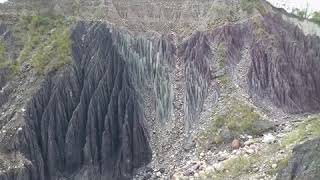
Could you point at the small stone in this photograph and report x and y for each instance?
(188, 173)
(20, 129)
(158, 174)
(201, 173)
(274, 166)
(269, 139)
(196, 175)
(176, 177)
(23, 110)
(256, 169)
(235, 144)
(202, 154)
(249, 142)
(249, 151)
(210, 169)
(162, 170)
(147, 176)
(149, 170)
(218, 167)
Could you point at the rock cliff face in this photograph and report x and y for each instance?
(130, 98)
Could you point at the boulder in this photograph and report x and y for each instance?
(304, 164)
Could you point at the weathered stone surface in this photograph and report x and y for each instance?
(285, 67)
(304, 165)
(88, 120)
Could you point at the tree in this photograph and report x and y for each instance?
(302, 13)
(316, 17)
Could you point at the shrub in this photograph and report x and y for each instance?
(238, 117)
(316, 17)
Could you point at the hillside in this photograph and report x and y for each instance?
(145, 89)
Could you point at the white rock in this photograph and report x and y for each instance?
(20, 129)
(158, 174)
(249, 151)
(210, 169)
(196, 175)
(274, 166)
(201, 173)
(202, 154)
(249, 142)
(23, 109)
(268, 138)
(218, 167)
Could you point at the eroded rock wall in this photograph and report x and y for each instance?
(88, 122)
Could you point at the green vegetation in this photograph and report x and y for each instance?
(46, 42)
(306, 14)
(307, 130)
(243, 166)
(316, 17)
(222, 55)
(281, 164)
(236, 167)
(222, 15)
(260, 29)
(250, 5)
(302, 13)
(238, 117)
(3, 60)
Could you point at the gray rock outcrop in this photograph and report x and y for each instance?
(304, 165)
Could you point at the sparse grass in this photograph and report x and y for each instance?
(224, 80)
(281, 164)
(46, 42)
(241, 164)
(307, 130)
(238, 117)
(223, 14)
(222, 55)
(3, 60)
(236, 167)
(260, 30)
(241, 167)
(250, 5)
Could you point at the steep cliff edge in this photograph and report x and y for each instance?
(138, 95)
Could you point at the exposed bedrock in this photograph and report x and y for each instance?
(284, 62)
(304, 165)
(89, 122)
(285, 67)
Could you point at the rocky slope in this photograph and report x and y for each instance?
(147, 79)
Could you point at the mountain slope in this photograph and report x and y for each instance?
(133, 92)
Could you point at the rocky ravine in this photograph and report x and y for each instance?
(134, 99)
